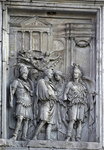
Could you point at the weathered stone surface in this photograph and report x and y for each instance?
(69, 41)
(0, 21)
(11, 143)
(38, 144)
(0, 62)
(64, 144)
(57, 149)
(13, 148)
(0, 89)
(75, 30)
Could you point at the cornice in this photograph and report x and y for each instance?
(83, 2)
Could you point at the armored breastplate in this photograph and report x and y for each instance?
(23, 95)
(77, 94)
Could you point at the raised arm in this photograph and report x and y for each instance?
(13, 87)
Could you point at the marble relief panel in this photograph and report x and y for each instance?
(61, 57)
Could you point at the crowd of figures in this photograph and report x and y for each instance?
(43, 96)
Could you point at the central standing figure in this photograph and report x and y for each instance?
(46, 97)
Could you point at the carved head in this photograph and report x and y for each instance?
(33, 74)
(77, 71)
(58, 75)
(49, 73)
(23, 71)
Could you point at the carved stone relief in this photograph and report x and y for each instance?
(47, 66)
(23, 89)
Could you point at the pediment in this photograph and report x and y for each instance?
(36, 21)
(29, 22)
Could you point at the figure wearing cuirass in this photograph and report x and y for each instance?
(23, 99)
(23, 89)
(76, 95)
(77, 101)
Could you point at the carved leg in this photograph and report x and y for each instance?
(19, 121)
(70, 128)
(73, 135)
(48, 132)
(63, 117)
(79, 129)
(25, 128)
(39, 129)
(59, 115)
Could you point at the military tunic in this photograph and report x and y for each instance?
(24, 92)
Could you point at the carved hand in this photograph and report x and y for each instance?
(65, 97)
(11, 104)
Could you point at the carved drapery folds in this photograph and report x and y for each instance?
(60, 59)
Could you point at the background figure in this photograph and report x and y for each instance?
(23, 89)
(76, 95)
(34, 76)
(61, 106)
(45, 93)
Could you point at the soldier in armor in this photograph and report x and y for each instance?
(23, 89)
(76, 95)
